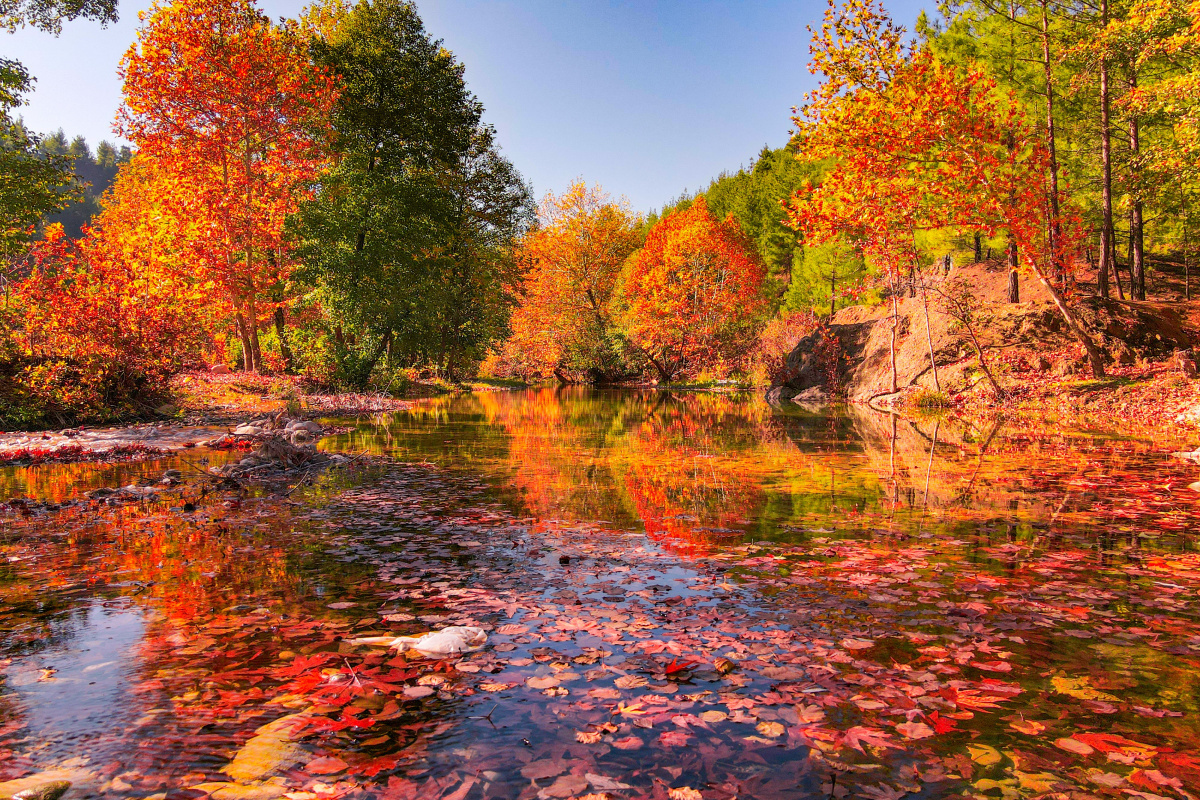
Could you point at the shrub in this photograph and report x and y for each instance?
(768, 361)
(927, 398)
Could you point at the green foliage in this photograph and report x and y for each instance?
(34, 184)
(407, 236)
(825, 278)
(94, 174)
(49, 15)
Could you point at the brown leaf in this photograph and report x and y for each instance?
(547, 768)
(565, 786)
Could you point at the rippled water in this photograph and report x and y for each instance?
(682, 591)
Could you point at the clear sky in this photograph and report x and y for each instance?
(649, 98)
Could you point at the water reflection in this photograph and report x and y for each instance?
(74, 686)
(700, 469)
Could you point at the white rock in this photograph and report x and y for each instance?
(1193, 455)
(446, 642)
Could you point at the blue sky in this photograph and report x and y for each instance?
(647, 98)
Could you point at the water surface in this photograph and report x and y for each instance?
(682, 591)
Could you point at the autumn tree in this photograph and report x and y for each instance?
(923, 145)
(114, 303)
(870, 196)
(692, 293)
(563, 325)
(227, 103)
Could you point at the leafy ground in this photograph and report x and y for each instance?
(883, 647)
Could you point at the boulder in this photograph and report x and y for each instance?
(220, 369)
(446, 642)
(48, 785)
(247, 430)
(1184, 362)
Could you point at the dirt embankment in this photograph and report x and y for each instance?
(1027, 346)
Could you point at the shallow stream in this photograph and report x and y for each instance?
(686, 595)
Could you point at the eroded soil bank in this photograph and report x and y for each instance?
(684, 597)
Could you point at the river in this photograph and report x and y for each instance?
(686, 595)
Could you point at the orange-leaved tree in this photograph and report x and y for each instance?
(563, 325)
(230, 105)
(692, 293)
(114, 304)
(920, 145)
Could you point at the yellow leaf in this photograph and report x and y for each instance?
(1036, 781)
(1080, 688)
(984, 755)
(772, 729)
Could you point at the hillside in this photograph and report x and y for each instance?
(1026, 344)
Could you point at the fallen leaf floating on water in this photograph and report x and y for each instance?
(915, 730)
(451, 641)
(857, 644)
(1080, 688)
(328, 765)
(1074, 746)
(984, 754)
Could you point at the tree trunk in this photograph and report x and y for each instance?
(978, 247)
(1014, 280)
(1055, 222)
(1116, 265)
(1137, 256)
(1089, 346)
(1187, 275)
(285, 351)
(1106, 225)
(929, 339)
(895, 325)
(1137, 266)
(983, 365)
(244, 335)
(252, 320)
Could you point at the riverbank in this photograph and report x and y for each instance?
(1030, 365)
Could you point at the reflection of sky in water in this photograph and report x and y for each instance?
(90, 652)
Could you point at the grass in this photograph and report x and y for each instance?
(927, 398)
(718, 385)
(498, 383)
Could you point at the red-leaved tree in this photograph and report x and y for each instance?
(693, 293)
